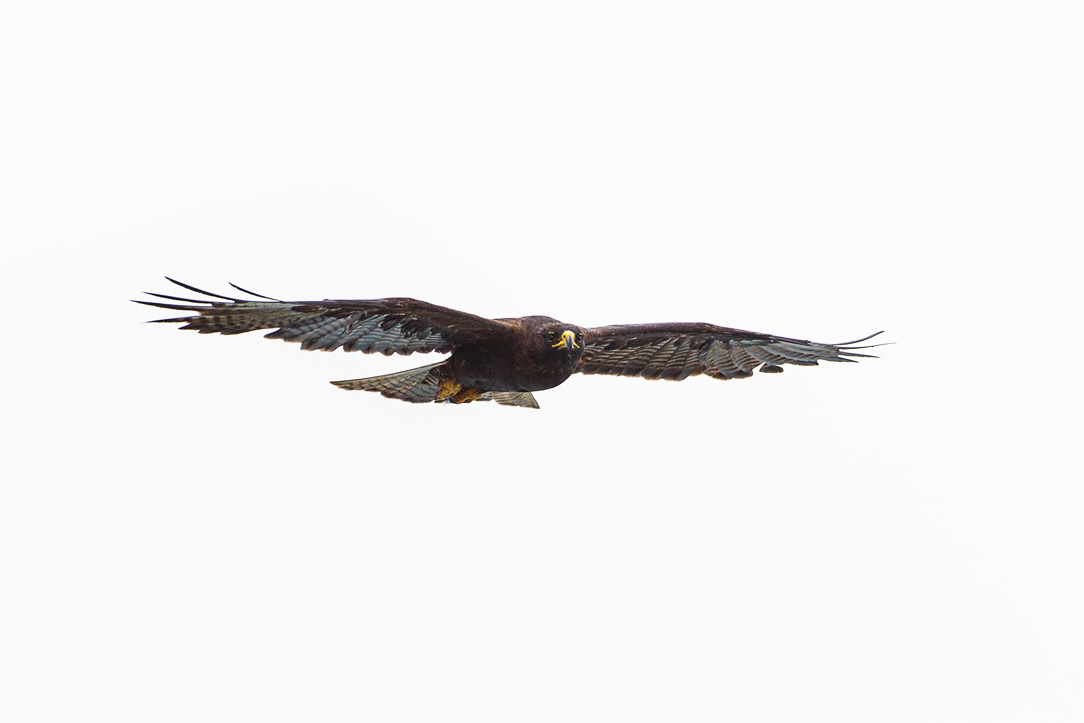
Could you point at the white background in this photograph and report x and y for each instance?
(202, 529)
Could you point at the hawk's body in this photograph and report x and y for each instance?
(503, 360)
(521, 359)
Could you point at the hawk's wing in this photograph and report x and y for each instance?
(387, 326)
(677, 351)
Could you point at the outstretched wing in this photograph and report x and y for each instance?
(677, 351)
(386, 326)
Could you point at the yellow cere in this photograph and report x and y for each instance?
(568, 339)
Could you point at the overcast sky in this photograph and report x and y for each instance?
(201, 528)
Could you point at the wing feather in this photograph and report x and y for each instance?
(640, 359)
(351, 340)
(680, 350)
(743, 359)
(386, 326)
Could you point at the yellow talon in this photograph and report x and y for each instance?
(467, 395)
(452, 391)
(448, 389)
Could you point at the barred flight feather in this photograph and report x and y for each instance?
(678, 351)
(386, 326)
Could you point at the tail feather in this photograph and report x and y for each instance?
(422, 385)
(511, 399)
(413, 385)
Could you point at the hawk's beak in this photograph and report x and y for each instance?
(568, 341)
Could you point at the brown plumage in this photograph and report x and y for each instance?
(501, 360)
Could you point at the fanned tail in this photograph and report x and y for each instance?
(418, 385)
(422, 385)
(511, 399)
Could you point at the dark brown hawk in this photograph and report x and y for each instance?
(500, 360)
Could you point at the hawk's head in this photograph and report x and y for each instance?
(554, 342)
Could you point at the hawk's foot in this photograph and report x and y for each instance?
(467, 395)
(448, 389)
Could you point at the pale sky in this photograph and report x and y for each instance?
(200, 528)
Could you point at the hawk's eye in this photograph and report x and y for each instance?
(551, 335)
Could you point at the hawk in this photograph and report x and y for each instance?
(500, 360)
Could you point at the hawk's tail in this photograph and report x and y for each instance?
(413, 385)
(422, 385)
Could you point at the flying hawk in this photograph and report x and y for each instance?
(500, 360)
